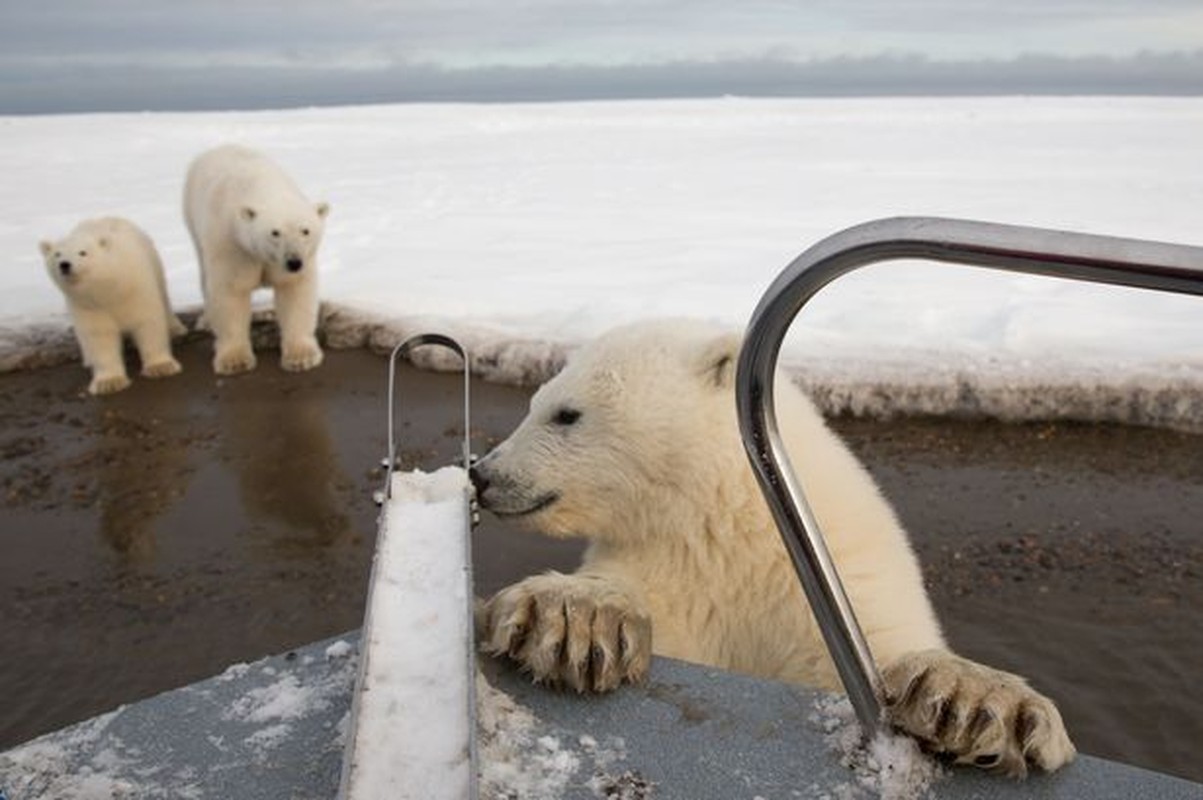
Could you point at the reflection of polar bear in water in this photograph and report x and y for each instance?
(112, 277)
(635, 446)
(252, 227)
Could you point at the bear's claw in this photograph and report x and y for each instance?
(578, 631)
(977, 715)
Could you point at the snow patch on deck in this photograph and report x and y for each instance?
(888, 767)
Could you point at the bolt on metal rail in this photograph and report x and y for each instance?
(1100, 259)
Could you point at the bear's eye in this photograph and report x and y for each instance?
(83, 253)
(276, 233)
(304, 231)
(566, 416)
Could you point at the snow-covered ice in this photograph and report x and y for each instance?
(536, 226)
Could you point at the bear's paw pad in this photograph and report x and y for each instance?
(974, 714)
(576, 631)
(107, 384)
(161, 369)
(300, 358)
(233, 362)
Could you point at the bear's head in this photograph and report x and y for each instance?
(639, 424)
(79, 260)
(285, 238)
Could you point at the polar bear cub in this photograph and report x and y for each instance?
(253, 227)
(635, 446)
(112, 277)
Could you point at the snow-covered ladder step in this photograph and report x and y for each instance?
(413, 713)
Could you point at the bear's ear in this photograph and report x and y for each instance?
(322, 209)
(47, 247)
(247, 213)
(718, 357)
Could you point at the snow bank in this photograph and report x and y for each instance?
(525, 229)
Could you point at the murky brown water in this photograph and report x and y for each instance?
(151, 538)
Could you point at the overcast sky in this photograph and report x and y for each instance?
(130, 54)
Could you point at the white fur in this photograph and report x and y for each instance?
(248, 221)
(112, 277)
(653, 473)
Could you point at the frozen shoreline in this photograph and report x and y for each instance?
(1132, 392)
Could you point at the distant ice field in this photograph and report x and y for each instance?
(528, 228)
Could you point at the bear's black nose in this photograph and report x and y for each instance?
(479, 481)
(64, 267)
(294, 264)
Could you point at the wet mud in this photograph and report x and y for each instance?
(153, 537)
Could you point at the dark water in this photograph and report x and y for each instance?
(151, 538)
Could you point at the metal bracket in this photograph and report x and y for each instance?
(389, 462)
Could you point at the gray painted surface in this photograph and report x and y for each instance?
(273, 730)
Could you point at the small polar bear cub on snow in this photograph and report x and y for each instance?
(635, 446)
(112, 277)
(253, 227)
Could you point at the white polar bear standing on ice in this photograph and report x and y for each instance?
(112, 277)
(635, 446)
(253, 227)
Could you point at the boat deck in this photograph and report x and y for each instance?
(274, 730)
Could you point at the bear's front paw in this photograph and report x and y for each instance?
(579, 631)
(234, 361)
(298, 358)
(977, 715)
(107, 384)
(161, 369)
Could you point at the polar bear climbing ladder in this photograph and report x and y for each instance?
(1100, 259)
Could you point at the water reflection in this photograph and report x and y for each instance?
(281, 450)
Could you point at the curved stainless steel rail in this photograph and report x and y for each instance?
(1100, 259)
(390, 461)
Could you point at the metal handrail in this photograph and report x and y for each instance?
(389, 462)
(1099, 259)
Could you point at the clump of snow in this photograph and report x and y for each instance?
(287, 700)
(888, 766)
(444, 485)
(521, 760)
(340, 649)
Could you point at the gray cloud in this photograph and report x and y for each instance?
(79, 54)
(125, 88)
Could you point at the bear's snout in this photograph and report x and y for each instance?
(294, 264)
(64, 267)
(479, 481)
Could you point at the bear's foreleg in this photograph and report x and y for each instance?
(99, 339)
(979, 715)
(296, 311)
(228, 311)
(585, 632)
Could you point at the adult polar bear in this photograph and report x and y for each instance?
(635, 446)
(253, 227)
